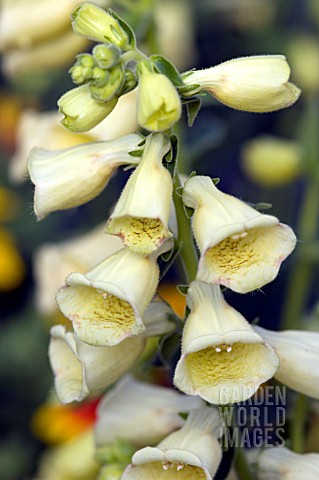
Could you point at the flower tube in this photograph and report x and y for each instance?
(70, 177)
(140, 413)
(280, 463)
(252, 84)
(301, 375)
(81, 369)
(142, 225)
(223, 360)
(191, 452)
(105, 304)
(240, 247)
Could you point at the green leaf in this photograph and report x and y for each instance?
(216, 180)
(126, 27)
(165, 67)
(193, 108)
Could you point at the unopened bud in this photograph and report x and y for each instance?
(81, 112)
(104, 91)
(106, 56)
(93, 22)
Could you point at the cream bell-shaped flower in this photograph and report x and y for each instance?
(223, 359)
(252, 84)
(54, 53)
(81, 369)
(140, 413)
(240, 247)
(105, 304)
(81, 112)
(46, 19)
(43, 129)
(302, 374)
(52, 262)
(280, 463)
(70, 177)
(192, 452)
(159, 105)
(142, 225)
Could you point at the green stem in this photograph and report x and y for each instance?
(241, 465)
(301, 278)
(300, 281)
(185, 238)
(298, 425)
(132, 55)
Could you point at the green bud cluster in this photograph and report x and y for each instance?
(102, 70)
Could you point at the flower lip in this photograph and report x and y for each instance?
(229, 338)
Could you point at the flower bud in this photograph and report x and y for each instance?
(252, 84)
(159, 105)
(271, 161)
(81, 369)
(106, 56)
(223, 360)
(301, 375)
(80, 74)
(95, 23)
(81, 112)
(106, 83)
(140, 413)
(143, 225)
(281, 463)
(191, 452)
(70, 177)
(240, 247)
(105, 304)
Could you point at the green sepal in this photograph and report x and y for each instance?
(165, 67)
(260, 206)
(136, 153)
(170, 159)
(183, 289)
(127, 29)
(186, 89)
(188, 211)
(192, 109)
(216, 180)
(183, 415)
(168, 347)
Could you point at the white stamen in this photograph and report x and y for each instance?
(166, 466)
(180, 467)
(229, 348)
(218, 349)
